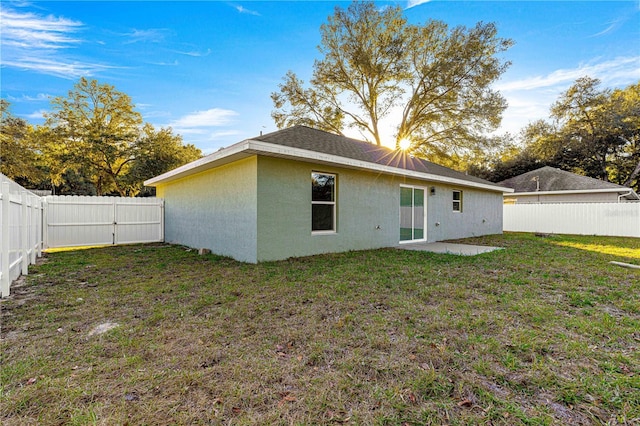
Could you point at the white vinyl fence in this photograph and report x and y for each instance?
(607, 219)
(86, 221)
(20, 231)
(29, 223)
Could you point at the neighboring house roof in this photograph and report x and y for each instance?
(549, 180)
(307, 144)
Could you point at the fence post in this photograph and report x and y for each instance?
(45, 224)
(6, 275)
(162, 220)
(39, 235)
(25, 233)
(115, 223)
(33, 241)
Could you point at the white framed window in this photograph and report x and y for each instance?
(323, 203)
(457, 200)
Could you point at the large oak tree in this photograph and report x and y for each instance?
(93, 142)
(100, 129)
(435, 82)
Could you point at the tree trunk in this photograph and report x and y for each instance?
(633, 175)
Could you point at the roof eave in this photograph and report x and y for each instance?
(250, 146)
(622, 191)
(201, 164)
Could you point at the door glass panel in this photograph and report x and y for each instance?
(406, 204)
(418, 214)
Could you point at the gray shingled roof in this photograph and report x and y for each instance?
(303, 137)
(552, 179)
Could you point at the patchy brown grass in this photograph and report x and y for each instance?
(544, 332)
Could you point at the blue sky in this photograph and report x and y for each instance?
(207, 68)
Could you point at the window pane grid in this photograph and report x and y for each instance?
(323, 204)
(457, 201)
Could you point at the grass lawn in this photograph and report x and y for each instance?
(544, 332)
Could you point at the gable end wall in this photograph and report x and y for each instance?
(215, 209)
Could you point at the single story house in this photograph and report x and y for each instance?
(551, 185)
(302, 191)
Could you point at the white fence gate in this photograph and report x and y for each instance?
(86, 221)
(20, 231)
(608, 219)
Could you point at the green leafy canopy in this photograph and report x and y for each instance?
(93, 142)
(591, 131)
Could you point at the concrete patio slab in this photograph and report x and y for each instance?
(448, 248)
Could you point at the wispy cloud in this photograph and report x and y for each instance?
(207, 127)
(612, 27)
(152, 35)
(242, 9)
(175, 63)
(194, 53)
(40, 97)
(414, 3)
(615, 71)
(28, 30)
(40, 43)
(36, 115)
(64, 69)
(197, 122)
(617, 23)
(530, 98)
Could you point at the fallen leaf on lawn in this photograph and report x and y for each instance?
(287, 398)
(465, 403)
(31, 381)
(412, 398)
(236, 410)
(333, 417)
